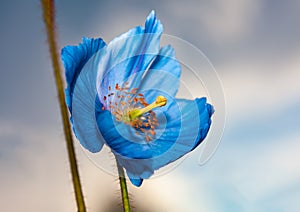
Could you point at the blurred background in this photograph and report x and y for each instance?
(254, 46)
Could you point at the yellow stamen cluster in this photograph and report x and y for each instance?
(131, 108)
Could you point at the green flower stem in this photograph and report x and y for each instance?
(123, 186)
(48, 14)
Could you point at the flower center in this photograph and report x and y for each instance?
(130, 107)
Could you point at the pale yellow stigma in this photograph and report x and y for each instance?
(137, 112)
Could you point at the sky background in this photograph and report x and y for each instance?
(254, 47)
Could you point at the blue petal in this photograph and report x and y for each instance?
(74, 58)
(83, 106)
(166, 60)
(195, 121)
(127, 57)
(187, 123)
(162, 76)
(127, 54)
(206, 111)
(134, 180)
(152, 24)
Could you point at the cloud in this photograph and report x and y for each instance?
(247, 175)
(221, 20)
(256, 89)
(229, 20)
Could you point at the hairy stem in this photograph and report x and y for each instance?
(123, 186)
(48, 15)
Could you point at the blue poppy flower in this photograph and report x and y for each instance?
(122, 94)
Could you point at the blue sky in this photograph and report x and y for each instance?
(254, 47)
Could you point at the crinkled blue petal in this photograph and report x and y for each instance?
(74, 58)
(186, 125)
(127, 57)
(194, 122)
(83, 106)
(162, 76)
(129, 53)
(206, 111)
